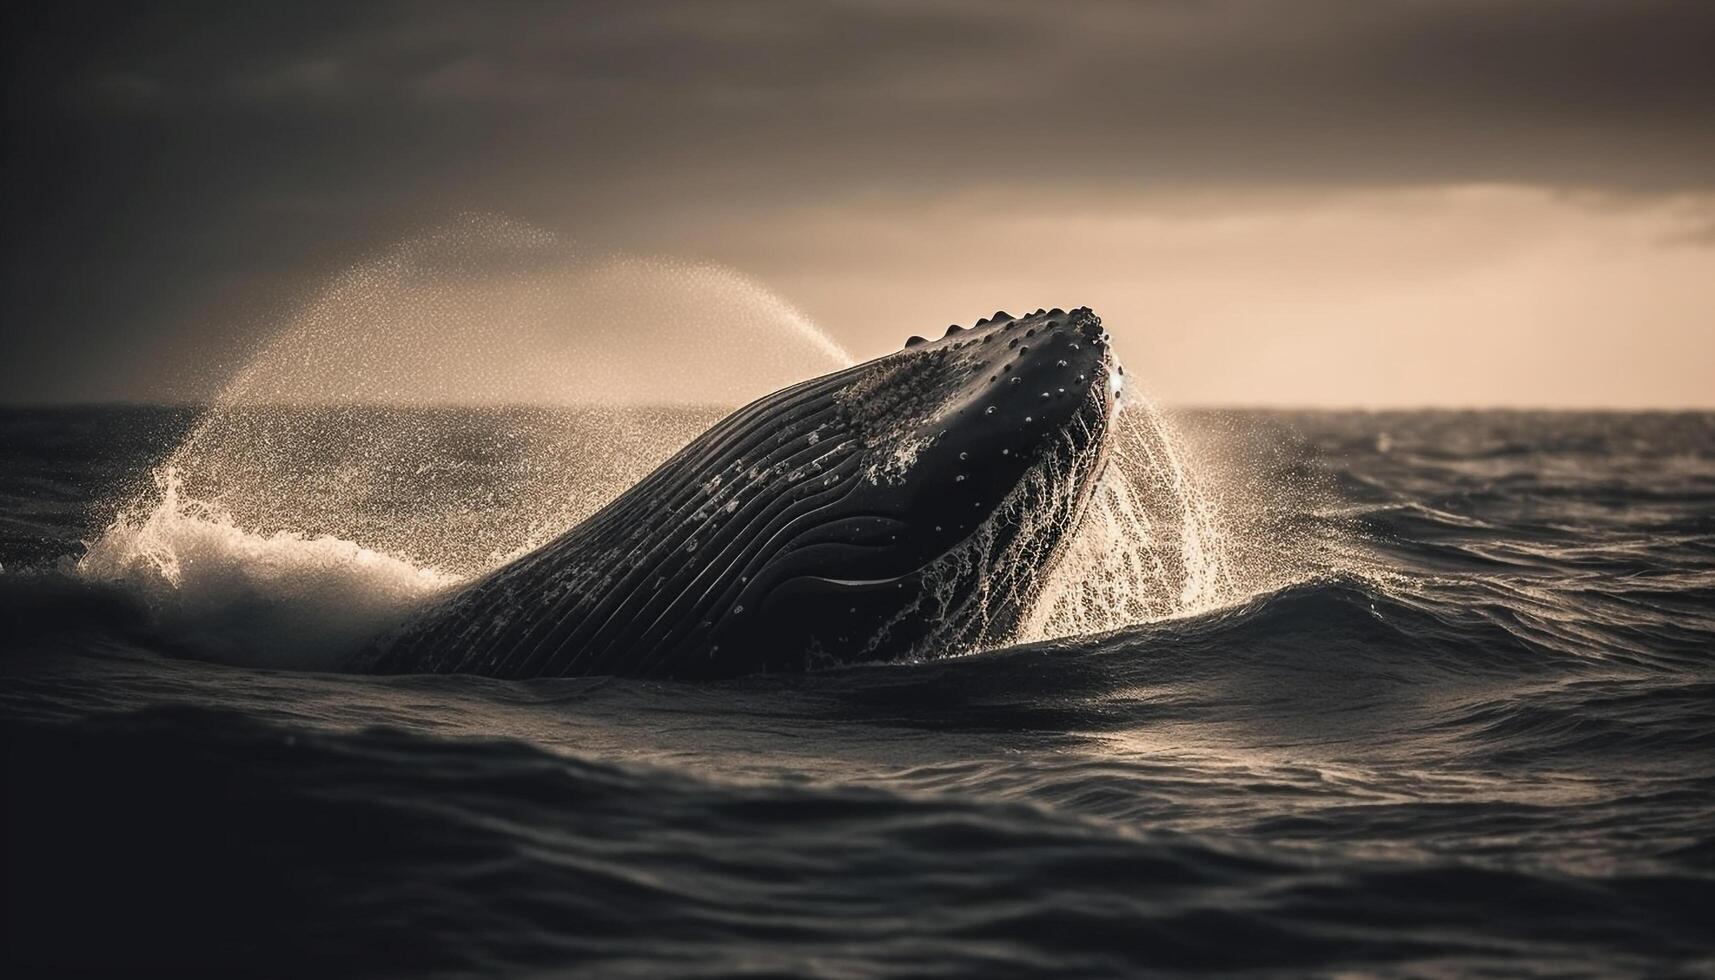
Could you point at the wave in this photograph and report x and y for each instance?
(1640, 719)
(222, 592)
(378, 840)
(1350, 622)
(1330, 659)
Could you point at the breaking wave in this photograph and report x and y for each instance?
(230, 594)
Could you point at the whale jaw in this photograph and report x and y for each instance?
(908, 507)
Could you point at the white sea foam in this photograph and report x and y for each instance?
(229, 594)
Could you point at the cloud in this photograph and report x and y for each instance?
(1312, 91)
(1468, 295)
(175, 153)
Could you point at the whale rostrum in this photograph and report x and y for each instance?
(908, 507)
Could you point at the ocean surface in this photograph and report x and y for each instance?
(1441, 703)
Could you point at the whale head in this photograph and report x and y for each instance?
(975, 456)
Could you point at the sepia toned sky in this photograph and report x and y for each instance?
(1302, 202)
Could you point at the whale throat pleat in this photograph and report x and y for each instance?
(646, 573)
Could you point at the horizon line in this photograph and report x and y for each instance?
(1194, 406)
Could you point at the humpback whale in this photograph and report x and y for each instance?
(908, 507)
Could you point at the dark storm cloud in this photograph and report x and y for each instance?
(167, 161)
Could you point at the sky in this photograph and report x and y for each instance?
(1305, 202)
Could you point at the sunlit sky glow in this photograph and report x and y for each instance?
(1472, 202)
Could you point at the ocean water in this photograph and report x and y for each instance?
(1444, 705)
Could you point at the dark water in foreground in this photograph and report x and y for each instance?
(1475, 735)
